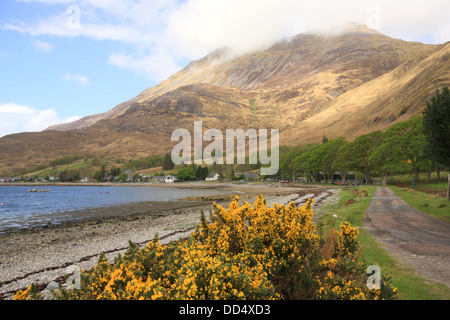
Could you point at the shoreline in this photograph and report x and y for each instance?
(43, 254)
(184, 184)
(81, 215)
(131, 210)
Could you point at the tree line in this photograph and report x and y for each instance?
(421, 144)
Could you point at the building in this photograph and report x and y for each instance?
(212, 177)
(159, 178)
(170, 179)
(251, 176)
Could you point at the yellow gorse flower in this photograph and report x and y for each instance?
(243, 252)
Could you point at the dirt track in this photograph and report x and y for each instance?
(419, 240)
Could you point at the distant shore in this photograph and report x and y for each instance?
(95, 184)
(186, 185)
(43, 254)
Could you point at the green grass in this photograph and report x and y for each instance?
(410, 286)
(407, 178)
(86, 168)
(437, 207)
(55, 171)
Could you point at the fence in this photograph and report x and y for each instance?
(440, 191)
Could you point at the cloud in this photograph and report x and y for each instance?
(203, 25)
(76, 78)
(15, 108)
(165, 32)
(42, 46)
(158, 64)
(18, 118)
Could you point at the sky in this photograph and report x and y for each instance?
(61, 60)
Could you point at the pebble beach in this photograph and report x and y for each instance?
(43, 255)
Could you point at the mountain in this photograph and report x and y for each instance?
(306, 86)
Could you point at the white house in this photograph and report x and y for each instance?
(170, 179)
(159, 178)
(212, 177)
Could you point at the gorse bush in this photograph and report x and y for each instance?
(243, 252)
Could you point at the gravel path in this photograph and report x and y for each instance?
(418, 240)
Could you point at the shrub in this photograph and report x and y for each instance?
(31, 293)
(360, 192)
(348, 202)
(243, 252)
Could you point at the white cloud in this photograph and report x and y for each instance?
(18, 118)
(42, 46)
(158, 64)
(203, 25)
(15, 108)
(76, 78)
(163, 32)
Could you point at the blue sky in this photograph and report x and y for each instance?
(65, 59)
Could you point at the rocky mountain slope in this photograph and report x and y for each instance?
(306, 86)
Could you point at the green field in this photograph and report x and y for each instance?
(86, 167)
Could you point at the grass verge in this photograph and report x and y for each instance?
(352, 207)
(437, 207)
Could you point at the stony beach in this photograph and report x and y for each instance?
(44, 254)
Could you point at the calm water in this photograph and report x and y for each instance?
(22, 209)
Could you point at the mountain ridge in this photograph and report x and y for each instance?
(306, 86)
(208, 70)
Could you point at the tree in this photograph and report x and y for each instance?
(115, 172)
(362, 148)
(309, 162)
(287, 160)
(168, 163)
(205, 173)
(436, 127)
(387, 158)
(123, 177)
(344, 161)
(69, 175)
(329, 153)
(201, 172)
(100, 174)
(186, 174)
(411, 144)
